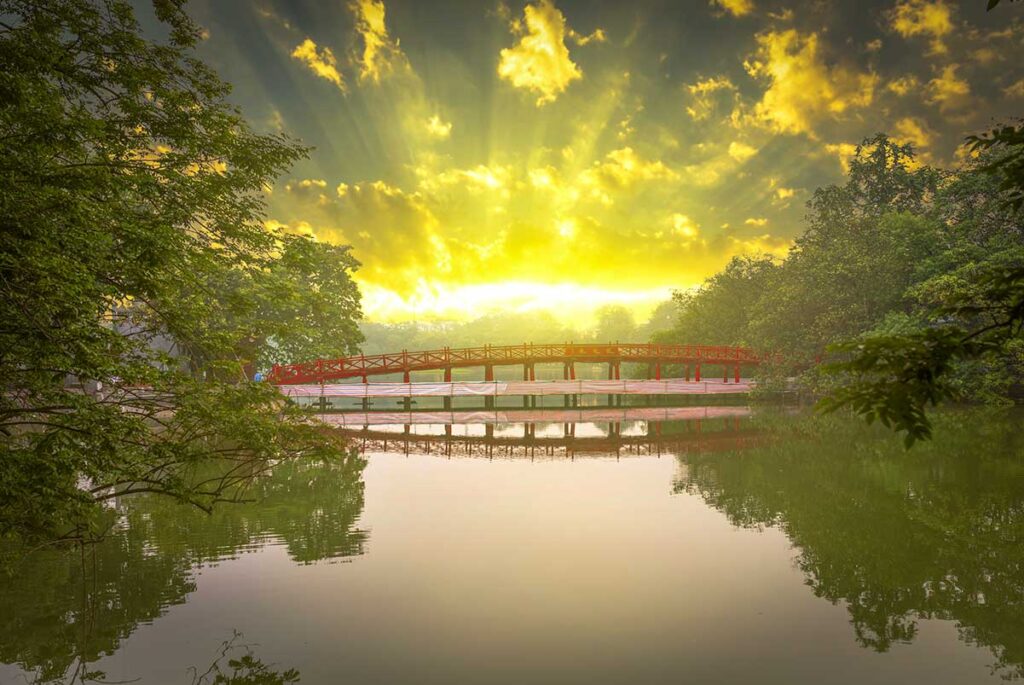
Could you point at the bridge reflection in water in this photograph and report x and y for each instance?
(552, 433)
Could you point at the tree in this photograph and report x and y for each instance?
(864, 242)
(661, 322)
(978, 316)
(895, 378)
(137, 276)
(720, 311)
(615, 323)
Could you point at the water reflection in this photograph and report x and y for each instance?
(63, 610)
(896, 537)
(551, 433)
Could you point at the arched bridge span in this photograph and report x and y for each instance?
(527, 355)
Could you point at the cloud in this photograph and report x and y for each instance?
(948, 90)
(736, 8)
(903, 85)
(784, 193)
(479, 178)
(844, 152)
(598, 36)
(438, 128)
(759, 221)
(802, 87)
(380, 54)
(394, 233)
(320, 61)
(540, 61)
(702, 96)
(538, 219)
(741, 152)
(684, 227)
(923, 18)
(759, 245)
(914, 131)
(621, 169)
(305, 183)
(1015, 90)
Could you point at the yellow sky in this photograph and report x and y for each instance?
(516, 156)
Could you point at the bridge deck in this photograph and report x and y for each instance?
(672, 386)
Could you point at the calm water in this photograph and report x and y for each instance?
(751, 547)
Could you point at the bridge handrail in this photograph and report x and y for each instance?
(355, 366)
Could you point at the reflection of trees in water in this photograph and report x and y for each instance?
(62, 610)
(897, 536)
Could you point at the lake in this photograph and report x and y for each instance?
(736, 545)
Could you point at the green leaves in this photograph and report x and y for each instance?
(1008, 165)
(894, 378)
(138, 283)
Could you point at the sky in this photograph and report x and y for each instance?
(493, 156)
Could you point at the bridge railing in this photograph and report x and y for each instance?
(496, 355)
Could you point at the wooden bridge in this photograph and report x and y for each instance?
(527, 355)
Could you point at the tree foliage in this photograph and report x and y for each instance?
(138, 279)
(909, 280)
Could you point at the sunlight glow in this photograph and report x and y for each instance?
(570, 303)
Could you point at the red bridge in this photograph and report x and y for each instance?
(527, 355)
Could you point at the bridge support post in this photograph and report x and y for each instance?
(687, 372)
(725, 373)
(447, 374)
(696, 376)
(657, 371)
(488, 373)
(737, 369)
(533, 373)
